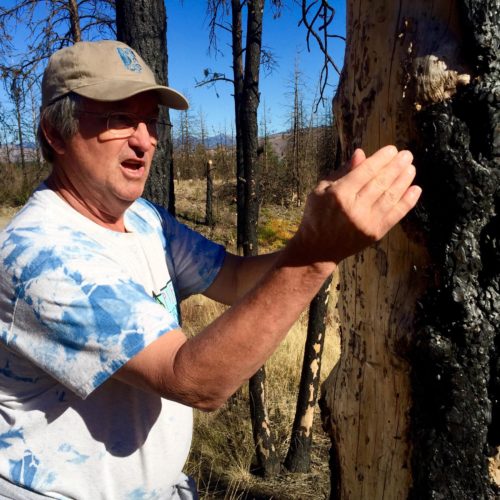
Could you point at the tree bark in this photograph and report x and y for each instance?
(249, 125)
(142, 24)
(238, 75)
(412, 405)
(74, 21)
(298, 458)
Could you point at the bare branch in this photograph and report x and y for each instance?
(211, 78)
(317, 17)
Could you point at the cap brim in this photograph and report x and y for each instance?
(118, 90)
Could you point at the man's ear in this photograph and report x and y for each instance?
(53, 137)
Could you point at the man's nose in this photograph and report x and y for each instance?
(142, 138)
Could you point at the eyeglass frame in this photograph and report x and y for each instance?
(150, 122)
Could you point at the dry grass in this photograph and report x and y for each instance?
(15, 188)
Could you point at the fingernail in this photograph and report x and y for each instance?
(415, 192)
(405, 155)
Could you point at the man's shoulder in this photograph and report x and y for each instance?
(145, 215)
(40, 235)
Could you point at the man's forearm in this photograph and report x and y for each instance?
(239, 275)
(217, 361)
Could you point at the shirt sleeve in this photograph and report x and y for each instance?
(196, 260)
(76, 313)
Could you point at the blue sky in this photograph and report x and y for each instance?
(188, 39)
(188, 56)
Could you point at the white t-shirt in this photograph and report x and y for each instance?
(77, 301)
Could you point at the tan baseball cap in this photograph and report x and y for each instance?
(103, 71)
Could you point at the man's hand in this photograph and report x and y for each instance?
(344, 215)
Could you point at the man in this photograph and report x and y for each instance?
(96, 375)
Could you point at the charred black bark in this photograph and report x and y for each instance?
(142, 24)
(237, 50)
(455, 360)
(249, 125)
(267, 459)
(298, 458)
(248, 216)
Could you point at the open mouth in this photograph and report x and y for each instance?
(133, 165)
(133, 169)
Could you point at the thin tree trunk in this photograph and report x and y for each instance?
(74, 21)
(249, 125)
(264, 442)
(298, 458)
(238, 75)
(412, 403)
(142, 24)
(209, 215)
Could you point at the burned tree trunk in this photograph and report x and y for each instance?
(238, 74)
(264, 442)
(142, 24)
(298, 458)
(412, 406)
(209, 213)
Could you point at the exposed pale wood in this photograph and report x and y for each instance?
(385, 82)
(368, 392)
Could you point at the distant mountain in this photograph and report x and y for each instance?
(210, 142)
(13, 152)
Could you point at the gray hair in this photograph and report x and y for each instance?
(62, 115)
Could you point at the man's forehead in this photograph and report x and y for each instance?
(140, 103)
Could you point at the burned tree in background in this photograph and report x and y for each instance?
(246, 69)
(412, 406)
(142, 24)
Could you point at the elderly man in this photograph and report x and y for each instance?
(97, 378)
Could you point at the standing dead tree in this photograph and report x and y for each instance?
(52, 25)
(246, 68)
(412, 407)
(315, 16)
(143, 25)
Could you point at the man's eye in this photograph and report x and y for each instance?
(121, 121)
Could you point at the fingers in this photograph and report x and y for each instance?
(369, 168)
(358, 157)
(401, 209)
(390, 181)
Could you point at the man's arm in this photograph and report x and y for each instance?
(341, 217)
(239, 275)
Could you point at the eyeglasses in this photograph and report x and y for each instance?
(121, 125)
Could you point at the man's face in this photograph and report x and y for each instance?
(106, 172)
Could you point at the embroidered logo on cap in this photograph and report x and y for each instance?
(129, 60)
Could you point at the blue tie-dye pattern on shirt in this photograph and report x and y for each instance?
(141, 494)
(24, 471)
(12, 434)
(76, 457)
